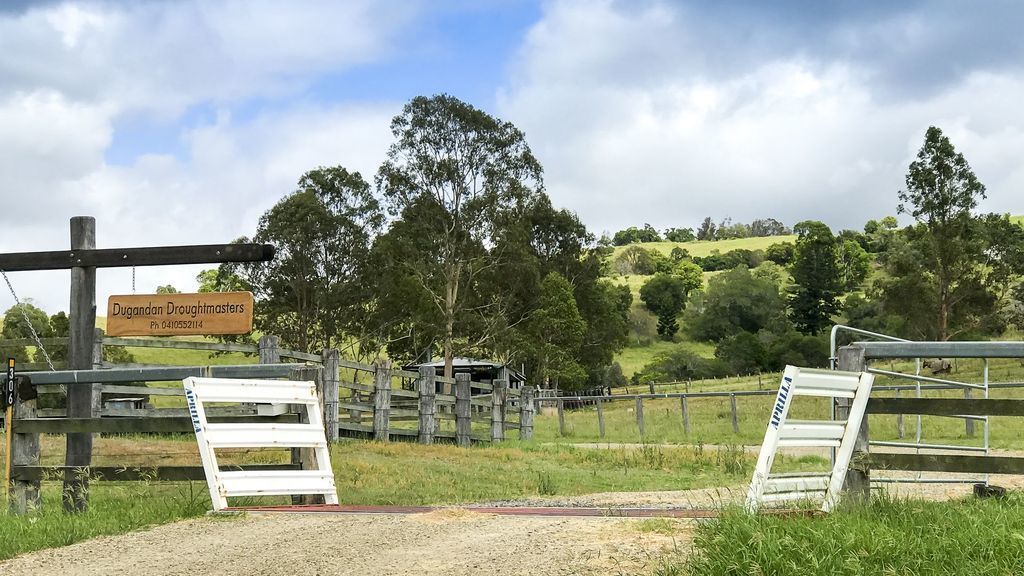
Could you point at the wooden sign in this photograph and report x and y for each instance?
(206, 313)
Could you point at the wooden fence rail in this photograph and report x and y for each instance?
(31, 421)
(930, 458)
(878, 405)
(436, 407)
(456, 410)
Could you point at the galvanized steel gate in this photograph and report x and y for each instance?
(972, 461)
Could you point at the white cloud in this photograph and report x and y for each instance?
(70, 72)
(615, 101)
(164, 56)
(234, 172)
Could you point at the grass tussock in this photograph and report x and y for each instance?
(888, 536)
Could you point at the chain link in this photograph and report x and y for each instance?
(28, 322)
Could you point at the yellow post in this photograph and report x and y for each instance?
(8, 425)
(7, 452)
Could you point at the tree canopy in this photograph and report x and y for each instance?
(313, 292)
(458, 175)
(947, 274)
(665, 295)
(816, 276)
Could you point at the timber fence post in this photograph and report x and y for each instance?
(900, 431)
(329, 400)
(858, 476)
(97, 349)
(499, 394)
(684, 401)
(427, 390)
(560, 407)
(306, 457)
(80, 400)
(640, 414)
(968, 422)
(97, 363)
(270, 349)
(382, 401)
(463, 417)
(526, 408)
(600, 419)
(735, 414)
(24, 494)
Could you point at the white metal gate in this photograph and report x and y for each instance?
(212, 436)
(782, 432)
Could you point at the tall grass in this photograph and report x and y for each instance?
(113, 509)
(887, 536)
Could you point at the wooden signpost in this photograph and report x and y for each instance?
(83, 259)
(207, 313)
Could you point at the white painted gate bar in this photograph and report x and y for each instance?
(224, 484)
(782, 433)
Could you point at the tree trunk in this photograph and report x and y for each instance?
(944, 314)
(451, 298)
(448, 338)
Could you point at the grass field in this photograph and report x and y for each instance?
(114, 509)
(704, 247)
(711, 418)
(633, 358)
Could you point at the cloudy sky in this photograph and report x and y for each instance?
(182, 122)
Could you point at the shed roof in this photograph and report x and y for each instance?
(464, 362)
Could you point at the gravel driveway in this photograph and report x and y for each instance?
(450, 542)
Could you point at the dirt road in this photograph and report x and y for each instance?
(450, 542)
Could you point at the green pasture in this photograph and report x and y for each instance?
(705, 247)
(633, 358)
(711, 418)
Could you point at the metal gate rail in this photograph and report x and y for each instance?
(927, 350)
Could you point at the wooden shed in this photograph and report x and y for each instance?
(484, 371)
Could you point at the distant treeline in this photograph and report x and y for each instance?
(708, 230)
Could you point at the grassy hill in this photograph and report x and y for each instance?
(705, 247)
(634, 358)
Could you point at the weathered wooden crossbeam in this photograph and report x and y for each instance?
(947, 406)
(120, 257)
(134, 473)
(956, 463)
(131, 425)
